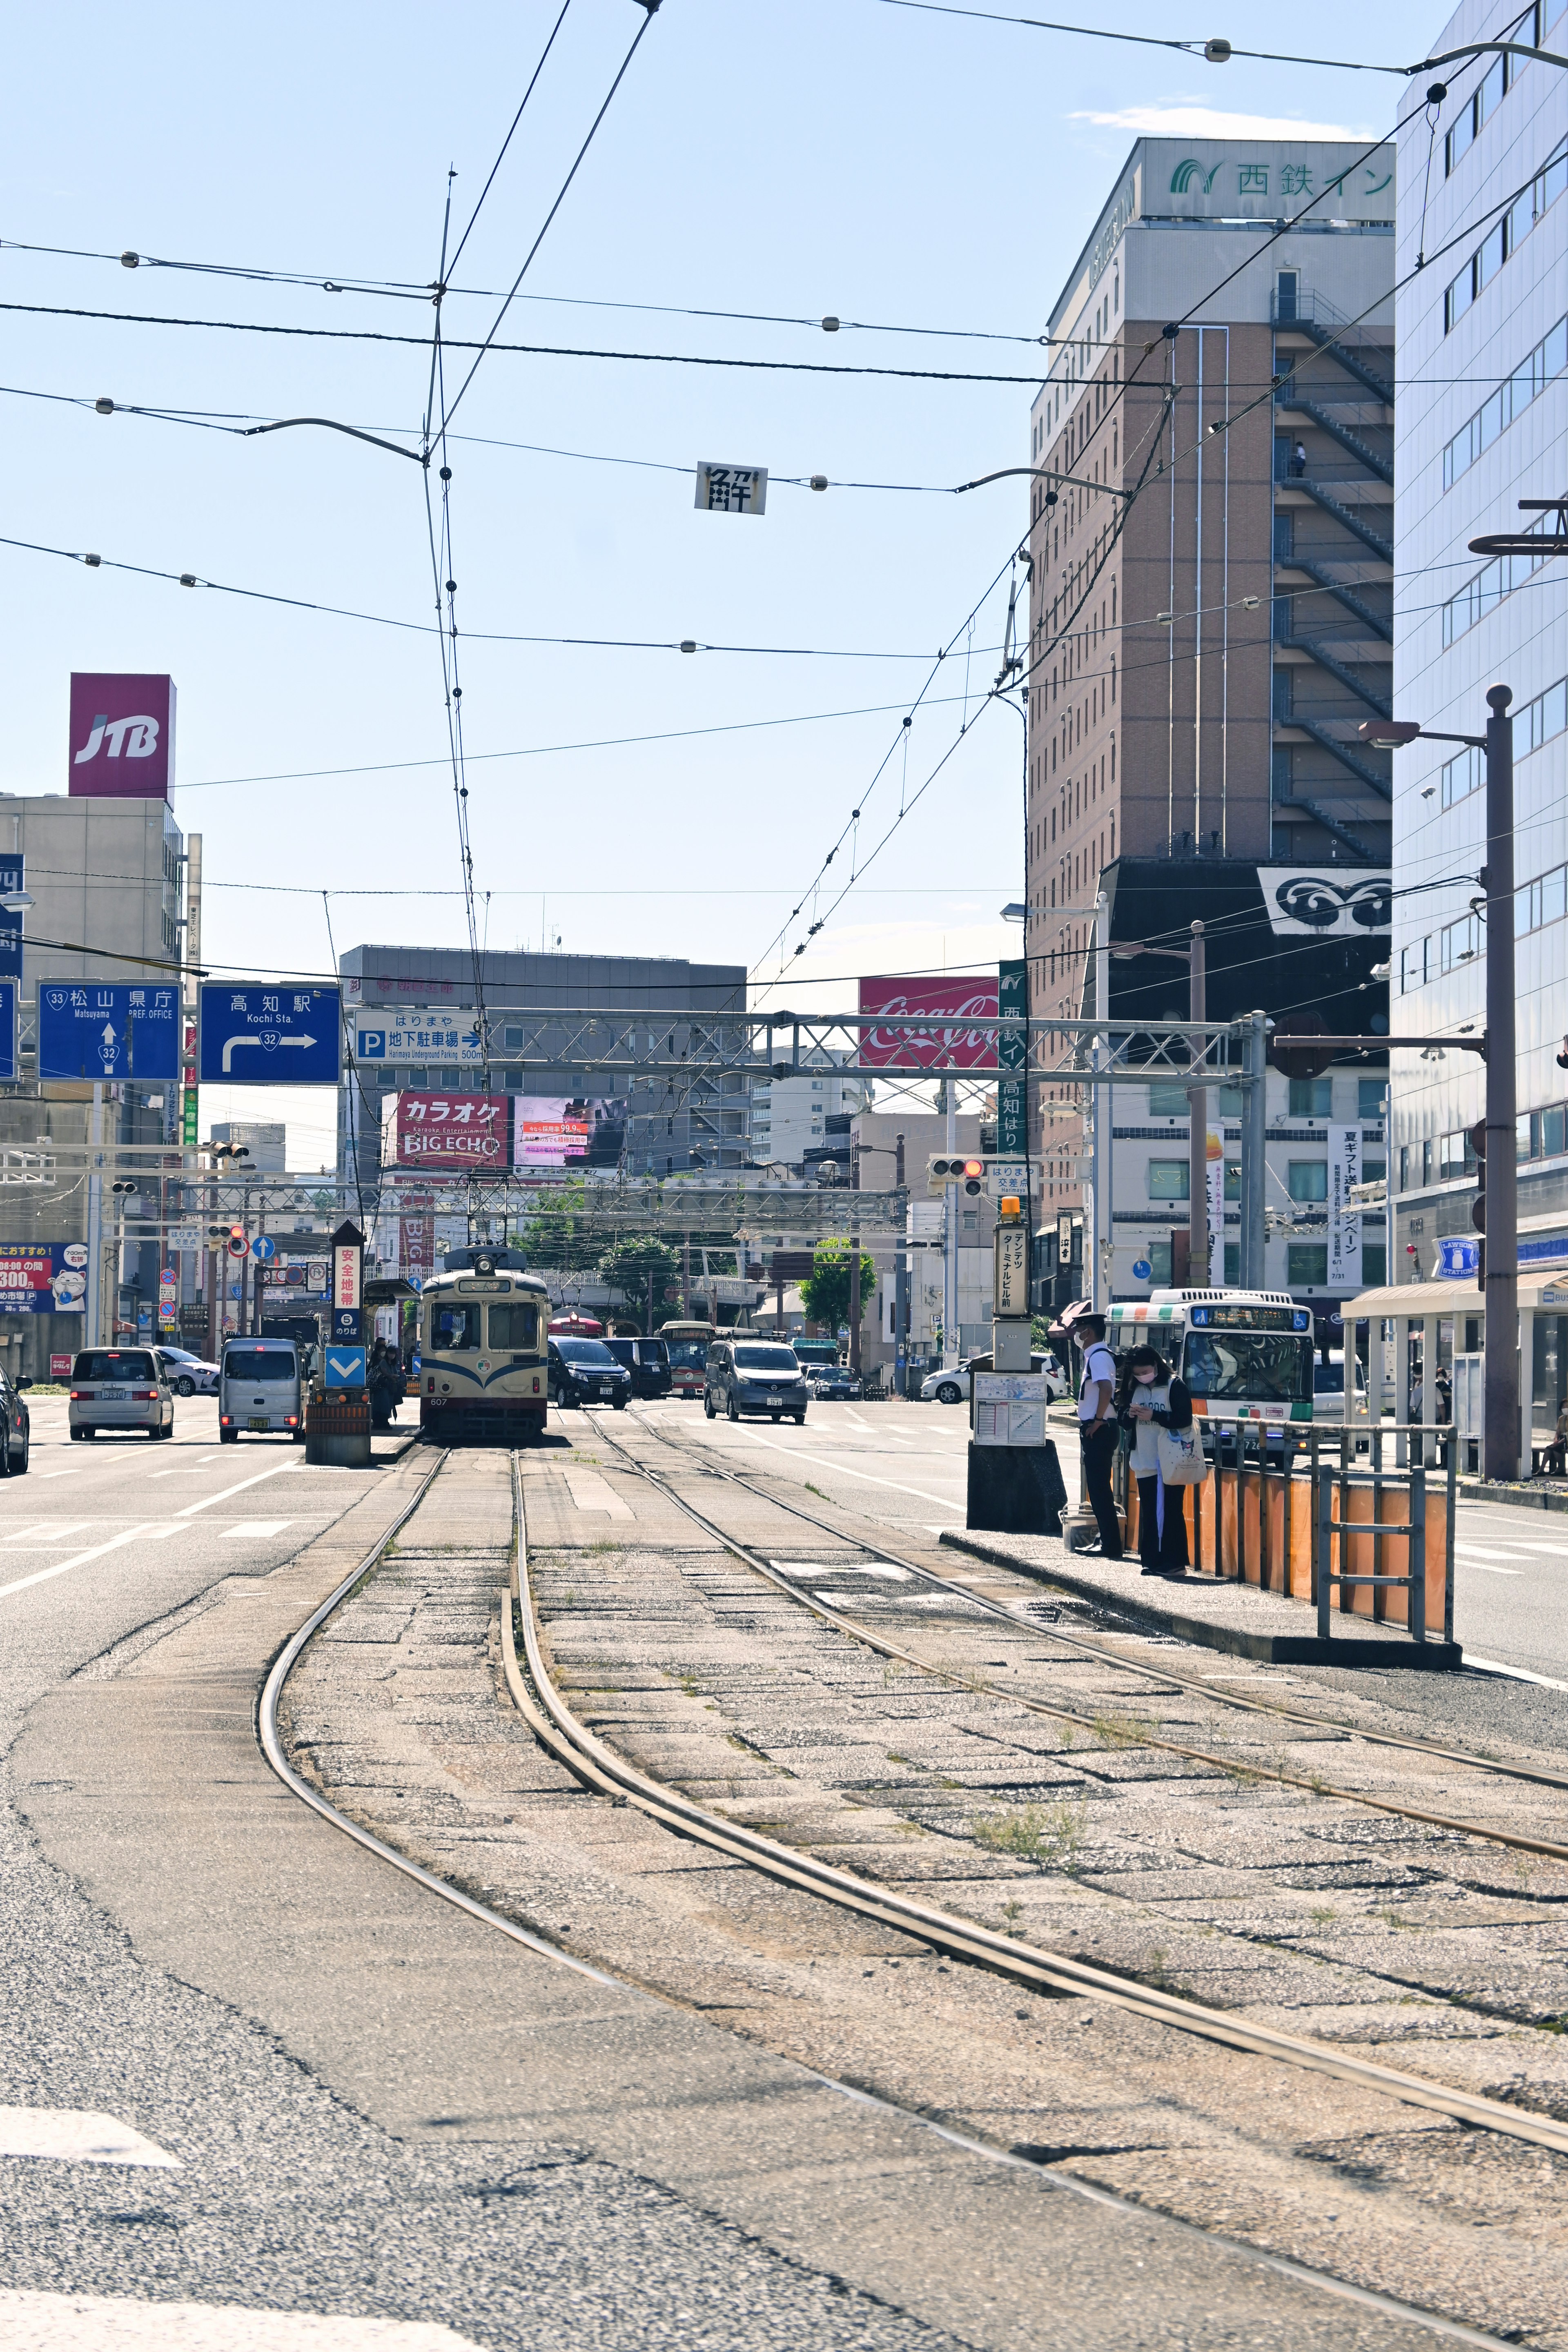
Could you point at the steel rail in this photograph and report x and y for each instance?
(944, 1930)
(1276, 1711)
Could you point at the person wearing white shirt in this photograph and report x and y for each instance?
(1098, 1429)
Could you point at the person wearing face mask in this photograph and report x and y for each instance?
(1152, 1398)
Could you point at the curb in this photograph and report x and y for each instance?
(1518, 1498)
(1267, 1648)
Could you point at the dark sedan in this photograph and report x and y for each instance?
(583, 1371)
(829, 1381)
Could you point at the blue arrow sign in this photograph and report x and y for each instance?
(345, 1368)
(267, 1035)
(264, 1246)
(104, 1029)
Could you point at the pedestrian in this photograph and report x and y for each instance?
(1298, 460)
(1098, 1429)
(1557, 1451)
(1151, 1398)
(1417, 1400)
(386, 1387)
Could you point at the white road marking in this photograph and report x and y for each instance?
(76, 2135)
(258, 1528)
(1472, 1551)
(46, 1530)
(857, 1419)
(822, 1463)
(33, 2321)
(208, 1500)
(1486, 1567)
(1514, 1674)
(589, 1492)
(42, 1575)
(810, 1567)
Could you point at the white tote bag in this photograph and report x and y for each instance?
(1181, 1453)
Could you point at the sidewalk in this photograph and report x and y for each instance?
(1236, 1618)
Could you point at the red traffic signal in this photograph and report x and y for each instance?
(237, 1244)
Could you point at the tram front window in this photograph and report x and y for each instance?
(1248, 1366)
(454, 1329)
(514, 1327)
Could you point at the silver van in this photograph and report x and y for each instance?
(120, 1387)
(258, 1387)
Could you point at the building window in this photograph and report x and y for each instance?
(1405, 1168)
(1158, 1254)
(1233, 1180)
(1307, 1265)
(1370, 1094)
(1308, 1179)
(1427, 1160)
(1312, 1098)
(1512, 398)
(1373, 1265)
(1169, 1179)
(1552, 1133)
(1459, 943)
(1455, 1157)
(1168, 1102)
(1232, 1262)
(1415, 965)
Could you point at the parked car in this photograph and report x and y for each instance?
(647, 1362)
(583, 1371)
(953, 1385)
(745, 1376)
(120, 1387)
(830, 1381)
(188, 1375)
(18, 1442)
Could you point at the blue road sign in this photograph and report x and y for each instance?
(7, 1033)
(265, 1035)
(345, 1327)
(1141, 1269)
(264, 1246)
(345, 1368)
(13, 877)
(108, 1029)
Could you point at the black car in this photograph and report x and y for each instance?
(18, 1442)
(647, 1362)
(835, 1380)
(583, 1371)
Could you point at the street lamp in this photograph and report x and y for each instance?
(1501, 1436)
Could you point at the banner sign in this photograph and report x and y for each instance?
(121, 736)
(1303, 902)
(1344, 1221)
(949, 1001)
(1214, 1171)
(441, 1130)
(346, 1276)
(548, 1131)
(1013, 1053)
(43, 1278)
(103, 1029)
(415, 1033)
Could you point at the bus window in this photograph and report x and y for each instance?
(1248, 1366)
(514, 1327)
(454, 1329)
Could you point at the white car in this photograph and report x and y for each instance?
(188, 1375)
(951, 1386)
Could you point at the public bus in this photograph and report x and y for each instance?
(688, 1343)
(483, 1349)
(817, 1355)
(1245, 1356)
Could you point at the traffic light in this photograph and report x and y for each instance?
(1563, 1057)
(974, 1172)
(237, 1244)
(1478, 1205)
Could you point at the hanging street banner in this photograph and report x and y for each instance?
(104, 1030)
(1012, 1055)
(1344, 1221)
(948, 1000)
(267, 1035)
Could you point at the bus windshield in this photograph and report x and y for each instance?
(690, 1354)
(1248, 1366)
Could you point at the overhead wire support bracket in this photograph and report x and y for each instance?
(248, 433)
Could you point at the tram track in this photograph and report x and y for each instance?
(610, 1774)
(1195, 1685)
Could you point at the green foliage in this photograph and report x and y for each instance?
(560, 1237)
(626, 1265)
(825, 1293)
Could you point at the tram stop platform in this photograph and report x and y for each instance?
(1214, 1612)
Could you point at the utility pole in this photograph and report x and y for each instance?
(1199, 1273)
(1103, 1228)
(1254, 1151)
(950, 1349)
(853, 1260)
(1502, 1437)
(901, 1280)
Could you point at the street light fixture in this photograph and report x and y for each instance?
(1498, 1277)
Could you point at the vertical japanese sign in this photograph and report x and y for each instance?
(1213, 1172)
(1344, 1217)
(1012, 1055)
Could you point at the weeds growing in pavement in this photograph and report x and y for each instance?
(817, 1492)
(1120, 1730)
(602, 1543)
(1322, 1914)
(1048, 1834)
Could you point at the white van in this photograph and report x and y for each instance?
(258, 1389)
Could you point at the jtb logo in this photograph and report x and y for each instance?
(122, 740)
(139, 736)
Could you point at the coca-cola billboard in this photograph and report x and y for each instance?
(954, 1000)
(461, 1133)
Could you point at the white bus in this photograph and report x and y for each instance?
(1244, 1356)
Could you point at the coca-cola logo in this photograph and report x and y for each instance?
(946, 1010)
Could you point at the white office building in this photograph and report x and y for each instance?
(800, 1121)
(1483, 335)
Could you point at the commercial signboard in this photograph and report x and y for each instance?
(43, 1278)
(461, 1133)
(268, 1034)
(1305, 902)
(548, 1131)
(346, 1276)
(951, 1000)
(1012, 1055)
(108, 1029)
(121, 736)
(1344, 1219)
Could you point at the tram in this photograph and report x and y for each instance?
(688, 1343)
(483, 1349)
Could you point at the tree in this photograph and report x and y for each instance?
(560, 1237)
(627, 1265)
(825, 1293)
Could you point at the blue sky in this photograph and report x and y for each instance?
(841, 157)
